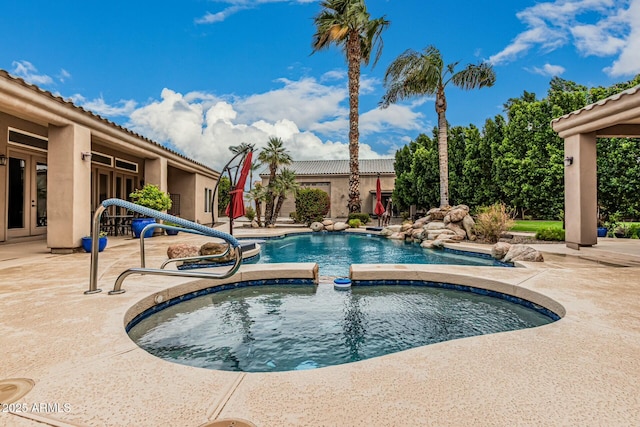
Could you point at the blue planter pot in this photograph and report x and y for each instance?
(137, 224)
(87, 241)
(602, 232)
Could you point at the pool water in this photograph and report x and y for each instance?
(295, 327)
(335, 252)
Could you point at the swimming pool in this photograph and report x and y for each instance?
(335, 252)
(295, 327)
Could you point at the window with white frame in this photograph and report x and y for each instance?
(208, 199)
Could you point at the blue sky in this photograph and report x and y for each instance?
(202, 75)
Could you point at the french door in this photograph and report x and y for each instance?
(27, 194)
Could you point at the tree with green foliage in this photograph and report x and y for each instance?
(274, 155)
(424, 73)
(259, 196)
(312, 204)
(348, 25)
(285, 184)
(223, 194)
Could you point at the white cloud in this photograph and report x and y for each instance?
(594, 27)
(63, 75)
(203, 126)
(238, 5)
(29, 73)
(549, 70)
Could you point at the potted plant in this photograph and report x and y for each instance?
(87, 242)
(149, 196)
(171, 232)
(603, 219)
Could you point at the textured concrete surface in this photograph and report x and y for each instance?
(581, 370)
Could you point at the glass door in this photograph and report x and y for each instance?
(27, 195)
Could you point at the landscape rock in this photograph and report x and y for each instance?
(435, 225)
(212, 248)
(437, 244)
(328, 227)
(254, 224)
(523, 253)
(397, 236)
(182, 250)
(386, 232)
(500, 249)
(457, 215)
(458, 230)
(468, 224)
(340, 226)
(427, 244)
(395, 228)
(420, 222)
(406, 226)
(437, 214)
(418, 234)
(327, 222)
(316, 226)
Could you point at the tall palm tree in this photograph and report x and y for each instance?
(424, 73)
(285, 184)
(347, 24)
(274, 155)
(259, 195)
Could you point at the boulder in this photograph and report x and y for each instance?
(397, 236)
(182, 250)
(464, 207)
(437, 214)
(395, 228)
(523, 253)
(328, 227)
(212, 248)
(406, 226)
(418, 234)
(386, 232)
(420, 222)
(316, 226)
(254, 224)
(468, 224)
(327, 222)
(433, 234)
(459, 231)
(427, 244)
(340, 226)
(437, 244)
(456, 215)
(500, 249)
(435, 225)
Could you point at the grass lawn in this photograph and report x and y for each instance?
(534, 226)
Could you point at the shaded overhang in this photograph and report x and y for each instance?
(615, 116)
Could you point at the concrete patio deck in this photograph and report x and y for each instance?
(581, 370)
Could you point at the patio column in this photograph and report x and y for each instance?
(580, 183)
(155, 172)
(68, 187)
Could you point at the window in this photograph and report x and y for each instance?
(208, 199)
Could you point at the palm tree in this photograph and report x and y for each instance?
(274, 155)
(285, 183)
(347, 24)
(259, 195)
(424, 73)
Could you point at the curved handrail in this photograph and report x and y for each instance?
(189, 225)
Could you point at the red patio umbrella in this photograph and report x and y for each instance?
(237, 200)
(379, 210)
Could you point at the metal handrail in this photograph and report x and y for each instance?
(188, 226)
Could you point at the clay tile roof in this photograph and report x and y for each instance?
(339, 167)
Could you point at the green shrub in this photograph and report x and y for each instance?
(354, 223)
(551, 233)
(492, 221)
(312, 204)
(363, 217)
(150, 196)
(634, 231)
(250, 213)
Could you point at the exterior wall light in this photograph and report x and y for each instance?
(86, 156)
(3, 160)
(568, 161)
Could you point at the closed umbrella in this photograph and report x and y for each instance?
(235, 209)
(379, 210)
